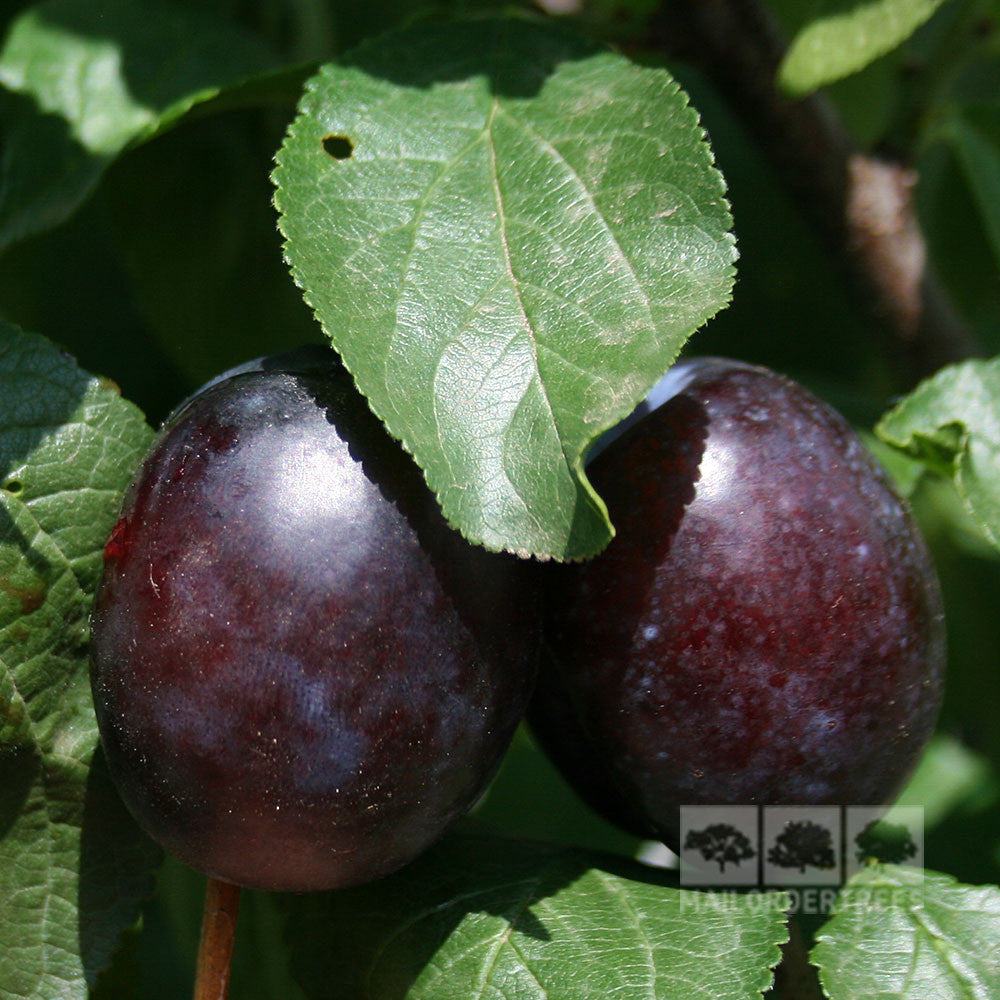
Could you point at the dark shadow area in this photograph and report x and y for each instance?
(200, 280)
(376, 940)
(515, 54)
(116, 870)
(181, 272)
(966, 845)
(42, 404)
(795, 978)
(647, 516)
(83, 301)
(31, 598)
(558, 728)
(46, 172)
(20, 769)
(52, 403)
(531, 799)
(971, 588)
(148, 36)
(770, 280)
(157, 959)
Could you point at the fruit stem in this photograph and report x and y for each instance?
(215, 949)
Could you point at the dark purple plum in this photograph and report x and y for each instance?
(302, 675)
(766, 626)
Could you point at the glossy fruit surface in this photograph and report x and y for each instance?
(301, 674)
(766, 626)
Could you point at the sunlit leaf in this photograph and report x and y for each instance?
(483, 917)
(844, 36)
(507, 234)
(925, 935)
(951, 423)
(87, 79)
(73, 866)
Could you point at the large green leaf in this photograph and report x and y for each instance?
(68, 443)
(73, 867)
(482, 917)
(924, 935)
(951, 422)
(87, 79)
(507, 234)
(845, 36)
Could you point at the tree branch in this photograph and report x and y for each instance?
(218, 933)
(862, 207)
(795, 978)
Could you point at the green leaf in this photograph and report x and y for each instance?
(530, 799)
(949, 773)
(847, 35)
(905, 471)
(923, 934)
(957, 243)
(507, 234)
(68, 443)
(73, 867)
(484, 917)
(951, 422)
(86, 80)
(979, 160)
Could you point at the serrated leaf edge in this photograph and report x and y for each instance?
(575, 465)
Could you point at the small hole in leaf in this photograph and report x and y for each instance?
(13, 486)
(338, 146)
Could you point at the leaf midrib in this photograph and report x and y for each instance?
(402, 928)
(504, 938)
(516, 286)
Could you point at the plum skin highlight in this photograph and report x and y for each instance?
(765, 628)
(301, 674)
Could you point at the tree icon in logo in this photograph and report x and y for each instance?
(803, 844)
(721, 843)
(882, 841)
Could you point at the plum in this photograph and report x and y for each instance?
(301, 674)
(766, 626)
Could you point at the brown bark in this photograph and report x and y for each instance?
(218, 932)
(861, 206)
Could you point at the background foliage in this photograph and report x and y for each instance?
(137, 234)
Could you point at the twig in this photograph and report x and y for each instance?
(215, 949)
(795, 978)
(862, 206)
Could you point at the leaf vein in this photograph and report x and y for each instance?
(515, 282)
(589, 197)
(407, 263)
